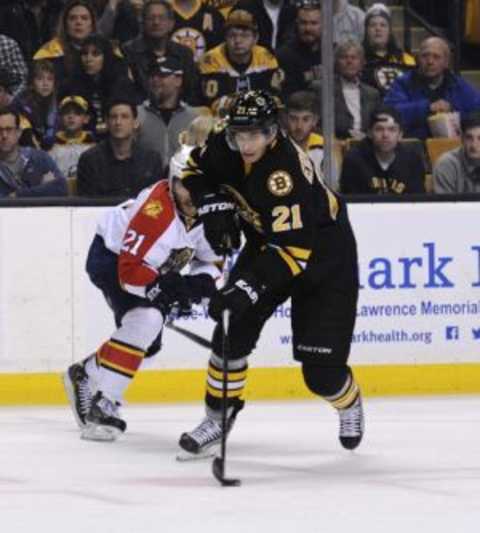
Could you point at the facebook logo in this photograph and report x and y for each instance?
(476, 334)
(452, 333)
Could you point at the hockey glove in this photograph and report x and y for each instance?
(167, 290)
(217, 213)
(199, 287)
(237, 298)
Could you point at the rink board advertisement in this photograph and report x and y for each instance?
(419, 300)
(420, 288)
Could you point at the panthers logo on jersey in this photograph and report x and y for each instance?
(191, 38)
(153, 209)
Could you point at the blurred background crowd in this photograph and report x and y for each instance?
(100, 98)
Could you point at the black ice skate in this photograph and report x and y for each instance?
(78, 388)
(351, 425)
(103, 421)
(204, 441)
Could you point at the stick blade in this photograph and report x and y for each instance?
(218, 469)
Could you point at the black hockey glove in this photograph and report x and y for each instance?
(217, 213)
(199, 287)
(237, 298)
(167, 290)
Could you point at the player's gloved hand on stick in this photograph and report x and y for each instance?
(168, 289)
(217, 213)
(199, 286)
(237, 298)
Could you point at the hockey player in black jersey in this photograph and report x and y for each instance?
(299, 244)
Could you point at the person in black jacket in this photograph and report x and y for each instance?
(300, 58)
(380, 164)
(98, 76)
(270, 35)
(117, 166)
(154, 42)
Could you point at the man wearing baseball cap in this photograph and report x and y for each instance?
(164, 115)
(380, 164)
(238, 64)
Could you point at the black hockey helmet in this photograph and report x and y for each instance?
(252, 110)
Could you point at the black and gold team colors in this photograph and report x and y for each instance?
(299, 245)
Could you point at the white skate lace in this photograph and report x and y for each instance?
(207, 431)
(351, 420)
(84, 395)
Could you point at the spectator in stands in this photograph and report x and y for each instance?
(158, 22)
(301, 122)
(430, 89)
(117, 166)
(197, 26)
(40, 20)
(380, 164)
(13, 62)
(239, 64)
(274, 19)
(25, 171)
(120, 20)
(384, 59)
(300, 58)
(98, 75)
(354, 100)
(77, 22)
(38, 107)
(458, 171)
(164, 116)
(73, 138)
(348, 22)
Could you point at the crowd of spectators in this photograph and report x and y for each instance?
(98, 96)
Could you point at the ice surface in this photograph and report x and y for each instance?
(417, 470)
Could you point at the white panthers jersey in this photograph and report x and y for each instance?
(151, 239)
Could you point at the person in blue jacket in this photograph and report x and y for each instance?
(25, 171)
(430, 89)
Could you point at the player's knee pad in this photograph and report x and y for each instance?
(140, 327)
(232, 364)
(240, 343)
(325, 380)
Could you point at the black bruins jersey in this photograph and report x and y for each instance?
(224, 6)
(220, 78)
(200, 29)
(282, 203)
(381, 71)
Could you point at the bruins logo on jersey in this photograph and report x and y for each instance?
(153, 209)
(191, 38)
(280, 183)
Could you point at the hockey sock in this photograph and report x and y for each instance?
(118, 363)
(236, 378)
(346, 396)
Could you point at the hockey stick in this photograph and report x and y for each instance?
(197, 339)
(218, 465)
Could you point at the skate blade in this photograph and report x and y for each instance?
(99, 433)
(67, 383)
(184, 457)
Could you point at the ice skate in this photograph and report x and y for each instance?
(351, 425)
(204, 441)
(78, 388)
(103, 421)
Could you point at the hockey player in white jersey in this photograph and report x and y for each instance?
(135, 259)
